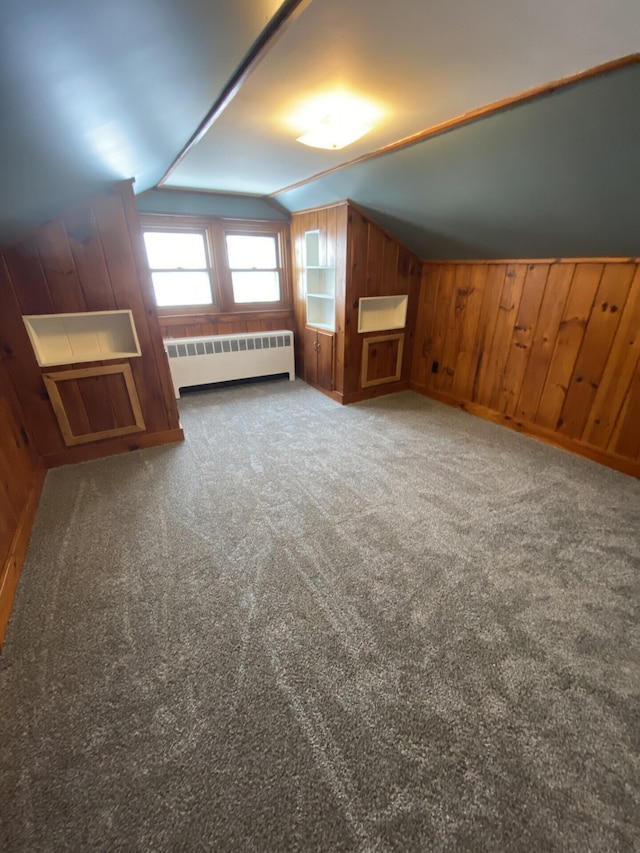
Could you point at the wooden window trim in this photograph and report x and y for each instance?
(222, 291)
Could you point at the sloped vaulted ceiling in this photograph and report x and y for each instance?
(555, 177)
(94, 92)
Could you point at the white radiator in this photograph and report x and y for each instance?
(220, 358)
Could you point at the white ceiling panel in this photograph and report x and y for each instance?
(422, 63)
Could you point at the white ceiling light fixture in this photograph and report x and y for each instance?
(343, 119)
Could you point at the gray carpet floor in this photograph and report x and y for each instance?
(382, 627)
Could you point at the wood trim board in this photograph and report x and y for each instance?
(51, 381)
(366, 344)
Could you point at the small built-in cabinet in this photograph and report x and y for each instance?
(318, 358)
(382, 359)
(320, 284)
(94, 403)
(356, 281)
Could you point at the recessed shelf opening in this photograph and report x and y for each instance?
(380, 313)
(82, 337)
(320, 284)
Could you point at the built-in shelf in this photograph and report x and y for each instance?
(320, 285)
(380, 313)
(79, 338)
(312, 249)
(321, 311)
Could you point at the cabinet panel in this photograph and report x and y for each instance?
(382, 359)
(325, 360)
(318, 358)
(94, 403)
(310, 356)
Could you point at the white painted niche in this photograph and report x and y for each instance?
(320, 285)
(78, 338)
(380, 313)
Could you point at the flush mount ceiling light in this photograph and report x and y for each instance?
(334, 121)
(334, 132)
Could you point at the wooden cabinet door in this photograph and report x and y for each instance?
(311, 356)
(324, 351)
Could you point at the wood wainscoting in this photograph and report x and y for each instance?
(368, 263)
(550, 348)
(21, 478)
(91, 258)
(195, 325)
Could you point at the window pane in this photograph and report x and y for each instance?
(175, 250)
(259, 286)
(249, 252)
(182, 288)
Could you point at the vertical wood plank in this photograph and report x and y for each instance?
(343, 321)
(425, 320)
(553, 303)
(375, 261)
(505, 321)
(389, 283)
(523, 332)
(464, 365)
(20, 481)
(356, 283)
(444, 311)
(601, 328)
(618, 372)
(24, 268)
(88, 258)
(59, 269)
(570, 334)
(453, 328)
(23, 369)
(626, 438)
(74, 406)
(494, 282)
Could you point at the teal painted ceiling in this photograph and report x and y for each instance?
(555, 177)
(94, 92)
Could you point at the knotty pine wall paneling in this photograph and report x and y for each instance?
(368, 262)
(233, 323)
(89, 259)
(331, 222)
(377, 265)
(21, 478)
(551, 348)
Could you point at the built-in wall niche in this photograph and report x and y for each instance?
(380, 313)
(83, 337)
(320, 285)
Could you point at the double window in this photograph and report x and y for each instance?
(216, 265)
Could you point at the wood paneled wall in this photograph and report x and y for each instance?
(331, 223)
(368, 262)
(377, 265)
(90, 259)
(548, 348)
(21, 478)
(194, 325)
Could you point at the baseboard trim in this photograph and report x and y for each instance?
(12, 567)
(364, 394)
(376, 391)
(603, 457)
(112, 447)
